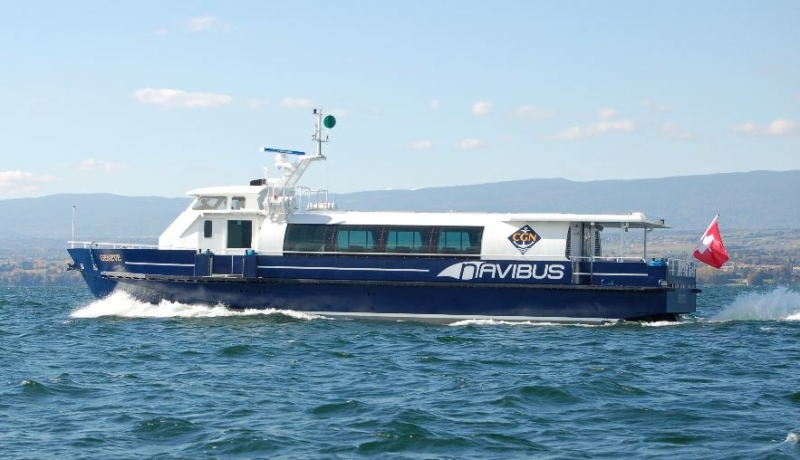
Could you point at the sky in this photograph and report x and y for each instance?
(155, 98)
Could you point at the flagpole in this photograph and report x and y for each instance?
(710, 249)
(707, 229)
(74, 211)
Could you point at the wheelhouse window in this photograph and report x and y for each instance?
(240, 233)
(207, 229)
(205, 203)
(237, 202)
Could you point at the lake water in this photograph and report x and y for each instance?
(115, 378)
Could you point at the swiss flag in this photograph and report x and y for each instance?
(710, 249)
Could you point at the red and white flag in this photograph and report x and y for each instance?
(710, 249)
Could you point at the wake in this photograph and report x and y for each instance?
(780, 304)
(122, 305)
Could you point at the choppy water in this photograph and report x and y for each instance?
(118, 379)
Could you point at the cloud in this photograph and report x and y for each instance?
(673, 132)
(202, 23)
(435, 104)
(20, 181)
(296, 103)
(605, 125)
(340, 113)
(471, 144)
(530, 112)
(424, 144)
(91, 165)
(776, 128)
(175, 98)
(481, 108)
(655, 107)
(253, 103)
(606, 114)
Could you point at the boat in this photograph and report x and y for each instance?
(274, 244)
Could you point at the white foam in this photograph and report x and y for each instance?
(661, 323)
(122, 305)
(793, 436)
(491, 322)
(780, 304)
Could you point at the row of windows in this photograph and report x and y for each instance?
(421, 240)
(218, 203)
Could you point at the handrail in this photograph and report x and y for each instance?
(607, 259)
(105, 245)
(680, 267)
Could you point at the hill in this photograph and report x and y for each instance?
(99, 216)
(753, 200)
(750, 201)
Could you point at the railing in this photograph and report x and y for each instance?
(680, 267)
(316, 200)
(612, 259)
(101, 245)
(675, 267)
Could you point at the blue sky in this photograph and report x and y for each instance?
(156, 98)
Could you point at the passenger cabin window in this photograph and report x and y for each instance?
(237, 202)
(207, 229)
(206, 203)
(408, 239)
(355, 238)
(414, 241)
(305, 238)
(460, 240)
(240, 233)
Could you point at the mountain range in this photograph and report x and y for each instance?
(755, 200)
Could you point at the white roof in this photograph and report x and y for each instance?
(633, 220)
(226, 190)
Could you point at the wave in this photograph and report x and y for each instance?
(123, 305)
(780, 304)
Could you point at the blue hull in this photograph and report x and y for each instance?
(438, 290)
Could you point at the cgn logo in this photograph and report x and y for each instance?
(524, 238)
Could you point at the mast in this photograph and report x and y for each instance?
(280, 200)
(317, 137)
(295, 169)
